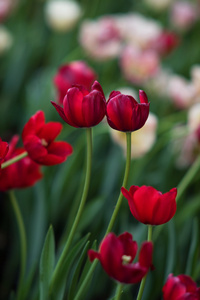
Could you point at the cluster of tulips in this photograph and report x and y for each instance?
(83, 105)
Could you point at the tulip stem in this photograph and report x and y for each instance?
(80, 209)
(188, 178)
(110, 225)
(141, 289)
(22, 235)
(13, 160)
(118, 291)
(127, 168)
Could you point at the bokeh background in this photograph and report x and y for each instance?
(148, 44)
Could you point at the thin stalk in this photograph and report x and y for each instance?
(13, 160)
(22, 235)
(86, 280)
(118, 291)
(127, 168)
(189, 176)
(80, 209)
(142, 285)
(114, 215)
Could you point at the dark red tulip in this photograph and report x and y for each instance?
(82, 108)
(74, 73)
(180, 287)
(124, 113)
(3, 150)
(116, 255)
(21, 174)
(150, 206)
(38, 138)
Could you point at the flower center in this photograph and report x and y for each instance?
(126, 259)
(44, 142)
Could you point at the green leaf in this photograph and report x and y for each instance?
(58, 289)
(193, 249)
(171, 252)
(47, 261)
(76, 275)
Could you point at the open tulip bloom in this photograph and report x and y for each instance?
(116, 255)
(82, 108)
(38, 139)
(150, 206)
(180, 287)
(21, 174)
(124, 113)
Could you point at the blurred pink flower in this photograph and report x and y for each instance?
(101, 39)
(141, 30)
(139, 66)
(183, 14)
(181, 91)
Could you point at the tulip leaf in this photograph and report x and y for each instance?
(47, 261)
(58, 289)
(171, 251)
(76, 275)
(193, 249)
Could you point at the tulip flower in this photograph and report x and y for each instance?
(124, 113)
(76, 72)
(180, 287)
(82, 108)
(38, 139)
(3, 150)
(116, 255)
(150, 206)
(21, 174)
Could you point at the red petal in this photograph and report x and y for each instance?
(143, 97)
(145, 256)
(33, 126)
(50, 131)
(93, 108)
(60, 110)
(73, 107)
(93, 254)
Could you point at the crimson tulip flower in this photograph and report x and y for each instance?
(124, 113)
(150, 206)
(3, 150)
(180, 287)
(76, 72)
(21, 174)
(82, 108)
(38, 139)
(116, 255)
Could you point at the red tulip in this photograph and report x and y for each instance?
(21, 174)
(76, 72)
(81, 108)
(116, 255)
(38, 139)
(150, 206)
(124, 113)
(180, 287)
(3, 150)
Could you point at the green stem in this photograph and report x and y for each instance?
(13, 160)
(86, 280)
(114, 215)
(127, 168)
(80, 210)
(119, 291)
(142, 285)
(22, 235)
(189, 176)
